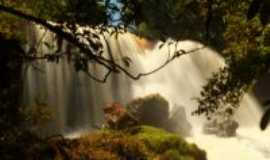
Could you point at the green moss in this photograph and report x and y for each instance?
(173, 154)
(162, 142)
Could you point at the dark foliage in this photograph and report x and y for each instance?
(247, 58)
(226, 88)
(261, 7)
(10, 82)
(14, 136)
(254, 8)
(176, 19)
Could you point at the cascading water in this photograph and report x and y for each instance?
(74, 98)
(77, 101)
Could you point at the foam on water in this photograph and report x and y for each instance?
(249, 144)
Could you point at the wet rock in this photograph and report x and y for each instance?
(211, 127)
(224, 128)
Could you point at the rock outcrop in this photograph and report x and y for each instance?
(153, 110)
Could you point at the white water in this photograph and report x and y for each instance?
(76, 100)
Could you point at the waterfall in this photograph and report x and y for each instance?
(77, 101)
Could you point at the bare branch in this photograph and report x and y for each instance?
(110, 64)
(57, 30)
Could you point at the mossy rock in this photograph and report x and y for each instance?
(164, 143)
(140, 143)
(142, 110)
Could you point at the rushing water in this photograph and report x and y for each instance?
(76, 100)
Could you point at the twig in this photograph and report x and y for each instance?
(97, 79)
(138, 76)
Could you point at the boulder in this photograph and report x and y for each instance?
(150, 110)
(153, 110)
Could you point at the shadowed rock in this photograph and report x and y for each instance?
(154, 110)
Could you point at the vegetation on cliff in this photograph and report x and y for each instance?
(138, 143)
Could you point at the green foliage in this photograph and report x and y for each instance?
(90, 12)
(157, 19)
(261, 7)
(171, 155)
(247, 56)
(162, 142)
(114, 145)
(227, 87)
(8, 24)
(84, 12)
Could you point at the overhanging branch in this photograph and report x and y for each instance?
(110, 64)
(57, 30)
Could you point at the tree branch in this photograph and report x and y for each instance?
(57, 30)
(110, 64)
